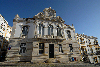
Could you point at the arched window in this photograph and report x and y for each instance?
(41, 29)
(25, 30)
(69, 34)
(50, 30)
(58, 31)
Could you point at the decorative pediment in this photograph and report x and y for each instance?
(40, 15)
(60, 19)
(49, 14)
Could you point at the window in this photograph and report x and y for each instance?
(82, 49)
(89, 41)
(22, 47)
(86, 41)
(1, 27)
(96, 42)
(41, 29)
(4, 28)
(80, 41)
(41, 48)
(96, 48)
(71, 48)
(69, 34)
(91, 50)
(60, 48)
(50, 30)
(58, 31)
(25, 30)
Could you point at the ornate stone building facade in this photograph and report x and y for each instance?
(43, 38)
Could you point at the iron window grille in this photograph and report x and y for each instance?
(23, 48)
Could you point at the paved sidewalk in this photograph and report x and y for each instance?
(28, 64)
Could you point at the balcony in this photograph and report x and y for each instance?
(49, 37)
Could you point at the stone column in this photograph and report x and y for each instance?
(46, 49)
(55, 31)
(37, 29)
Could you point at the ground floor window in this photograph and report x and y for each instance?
(22, 47)
(41, 48)
(71, 48)
(60, 48)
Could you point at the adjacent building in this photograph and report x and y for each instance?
(5, 33)
(89, 47)
(43, 38)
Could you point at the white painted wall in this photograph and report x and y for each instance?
(18, 29)
(31, 32)
(72, 33)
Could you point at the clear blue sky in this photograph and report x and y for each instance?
(83, 14)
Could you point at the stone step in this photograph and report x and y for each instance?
(12, 50)
(13, 55)
(52, 60)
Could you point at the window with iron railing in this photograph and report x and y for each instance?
(23, 48)
(69, 34)
(71, 48)
(41, 48)
(24, 30)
